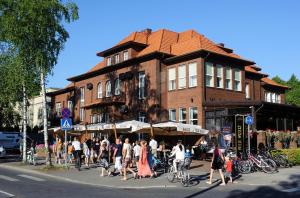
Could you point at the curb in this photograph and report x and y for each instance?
(80, 182)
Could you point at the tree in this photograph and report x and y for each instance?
(35, 28)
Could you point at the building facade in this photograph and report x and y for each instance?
(183, 77)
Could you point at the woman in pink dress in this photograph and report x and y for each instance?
(143, 166)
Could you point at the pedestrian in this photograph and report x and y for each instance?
(96, 148)
(118, 156)
(77, 153)
(70, 152)
(154, 146)
(217, 164)
(59, 146)
(228, 167)
(144, 168)
(104, 159)
(179, 153)
(87, 153)
(136, 153)
(203, 148)
(127, 153)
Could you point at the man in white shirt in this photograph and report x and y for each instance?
(179, 153)
(153, 145)
(77, 153)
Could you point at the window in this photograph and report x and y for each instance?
(100, 118)
(209, 74)
(172, 79)
(40, 113)
(70, 105)
(94, 118)
(58, 109)
(181, 77)
(273, 97)
(81, 114)
(108, 61)
(108, 89)
(219, 76)
(117, 58)
(278, 98)
(268, 96)
(99, 95)
(125, 55)
(192, 74)
(193, 116)
(142, 117)
(237, 80)
(182, 115)
(247, 91)
(141, 85)
(117, 87)
(81, 95)
(106, 118)
(228, 84)
(172, 115)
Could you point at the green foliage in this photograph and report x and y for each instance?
(293, 94)
(292, 154)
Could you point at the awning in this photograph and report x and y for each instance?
(180, 127)
(133, 125)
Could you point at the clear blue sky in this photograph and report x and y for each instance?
(265, 31)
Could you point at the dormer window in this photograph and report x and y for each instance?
(117, 58)
(125, 55)
(108, 61)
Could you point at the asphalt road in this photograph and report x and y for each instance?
(24, 185)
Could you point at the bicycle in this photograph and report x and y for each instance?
(31, 157)
(265, 164)
(181, 175)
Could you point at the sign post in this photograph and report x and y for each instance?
(66, 124)
(249, 122)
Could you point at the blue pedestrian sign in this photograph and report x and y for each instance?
(66, 124)
(249, 120)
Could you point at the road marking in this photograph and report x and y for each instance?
(292, 190)
(6, 193)
(8, 178)
(31, 177)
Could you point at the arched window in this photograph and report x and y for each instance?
(117, 87)
(99, 88)
(108, 89)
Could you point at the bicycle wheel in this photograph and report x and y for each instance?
(185, 180)
(244, 166)
(171, 175)
(268, 166)
(282, 161)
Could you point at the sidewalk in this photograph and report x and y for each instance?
(199, 172)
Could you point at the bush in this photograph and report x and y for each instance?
(292, 154)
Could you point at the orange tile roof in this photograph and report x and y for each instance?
(251, 69)
(174, 43)
(271, 82)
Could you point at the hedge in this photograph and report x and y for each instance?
(292, 154)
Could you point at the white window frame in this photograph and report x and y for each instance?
(58, 108)
(247, 91)
(181, 110)
(237, 82)
(181, 76)
(273, 97)
(172, 78)
(191, 115)
(82, 95)
(278, 98)
(100, 118)
(125, 55)
(117, 58)
(209, 77)
(171, 111)
(99, 90)
(108, 63)
(220, 77)
(142, 78)
(70, 105)
(193, 76)
(108, 89)
(142, 117)
(228, 79)
(81, 114)
(117, 87)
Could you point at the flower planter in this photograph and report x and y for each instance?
(278, 145)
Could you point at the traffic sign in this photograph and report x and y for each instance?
(66, 124)
(249, 120)
(65, 113)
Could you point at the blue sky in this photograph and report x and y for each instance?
(265, 31)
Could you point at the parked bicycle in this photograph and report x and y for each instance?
(31, 157)
(181, 175)
(280, 159)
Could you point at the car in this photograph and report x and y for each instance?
(2, 151)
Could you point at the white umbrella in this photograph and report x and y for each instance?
(133, 125)
(180, 127)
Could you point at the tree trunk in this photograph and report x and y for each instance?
(48, 157)
(24, 124)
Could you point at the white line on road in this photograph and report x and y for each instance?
(292, 190)
(6, 193)
(8, 178)
(31, 177)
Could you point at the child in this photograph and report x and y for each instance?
(228, 166)
(104, 159)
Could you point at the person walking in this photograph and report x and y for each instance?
(153, 144)
(217, 164)
(179, 154)
(70, 152)
(96, 148)
(118, 156)
(59, 147)
(144, 168)
(104, 159)
(87, 153)
(77, 153)
(136, 153)
(127, 153)
(228, 166)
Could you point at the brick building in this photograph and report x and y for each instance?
(184, 77)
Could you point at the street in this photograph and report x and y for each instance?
(20, 184)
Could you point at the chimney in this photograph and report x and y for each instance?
(147, 31)
(221, 44)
